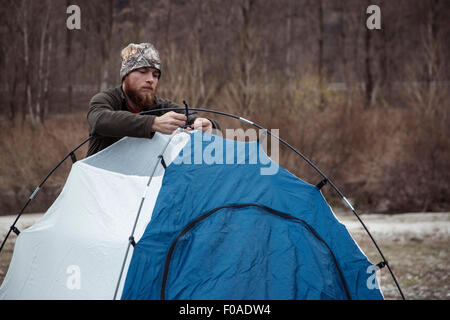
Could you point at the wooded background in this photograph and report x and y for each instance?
(369, 107)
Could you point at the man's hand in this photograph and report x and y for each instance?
(202, 124)
(168, 122)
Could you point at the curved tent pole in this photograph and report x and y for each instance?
(384, 262)
(71, 154)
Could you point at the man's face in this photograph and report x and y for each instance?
(140, 86)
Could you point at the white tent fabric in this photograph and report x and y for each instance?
(94, 214)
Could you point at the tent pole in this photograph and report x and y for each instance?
(131, 238)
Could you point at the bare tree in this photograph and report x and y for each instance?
(46, 94)
(27, 58)
(69, 64)
(288, 42)
(320, 40)
(40, 112)
(369, 80)
(242, 90)
(343, 37)
(168, 22)
(10, 45)
(105, 27)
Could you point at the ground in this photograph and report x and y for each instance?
(416, 246)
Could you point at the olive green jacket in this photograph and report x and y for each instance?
(110, 119)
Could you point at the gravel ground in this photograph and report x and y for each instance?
(416, 246)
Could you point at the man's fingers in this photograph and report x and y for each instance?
(178, 116)
(169, 122)
(178, 123)
(173, 120)
(197, 124)
(202, 124)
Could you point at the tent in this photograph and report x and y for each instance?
(205, 223)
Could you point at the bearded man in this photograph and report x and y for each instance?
(114, 113)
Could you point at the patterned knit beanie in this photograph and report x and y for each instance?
(135, 56)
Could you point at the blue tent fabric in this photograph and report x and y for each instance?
(225, 231)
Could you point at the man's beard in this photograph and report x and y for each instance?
(143, 100)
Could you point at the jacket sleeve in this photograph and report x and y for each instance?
(104, 120)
